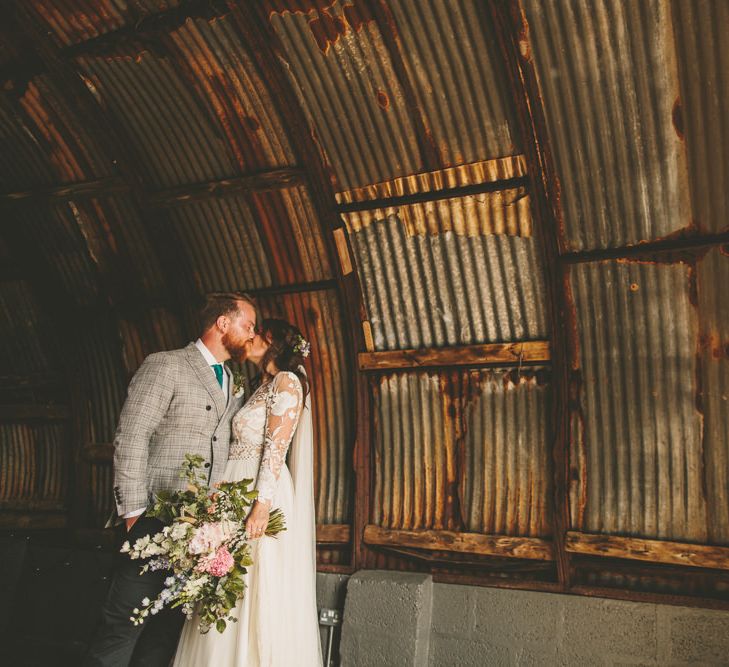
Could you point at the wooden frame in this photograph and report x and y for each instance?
(498, 354)
(502, 546)
(654, 551)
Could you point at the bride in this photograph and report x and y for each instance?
(277, 619)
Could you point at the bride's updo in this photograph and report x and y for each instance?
(288, 349)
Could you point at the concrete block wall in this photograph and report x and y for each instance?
(394, 618)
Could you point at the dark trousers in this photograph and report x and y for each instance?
(119, 642)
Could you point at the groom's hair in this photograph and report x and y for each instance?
(222, 303)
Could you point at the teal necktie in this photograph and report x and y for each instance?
(218, 368)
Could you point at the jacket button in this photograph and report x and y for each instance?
(215, 438)
(207, 464)
(208, 407)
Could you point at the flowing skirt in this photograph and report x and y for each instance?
(277, 618)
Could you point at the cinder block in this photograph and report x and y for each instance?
(532, 657)
(611, 628)
(697, 635)
(453, 610)
(517, 617)
(387, 618)
(454, 652)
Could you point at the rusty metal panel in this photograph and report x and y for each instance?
(222, 245)
(34, 466)
(23, 351)
(344, 77)
(636, 458)
(609, 80)
(119, 220)
(450, 52)
(103, 380)
(228, 79)
(171, 135)
(321, 320)
(74, 21)
(713, 278)
(291, 227)
(462, 450)
(71, 149)
(415, 451)
(700, 29)
(435, 290)
(506, 479)
(152, 331)
(23, 162)
(54, 235)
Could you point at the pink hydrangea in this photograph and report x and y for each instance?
(207, 538)
(218, 564)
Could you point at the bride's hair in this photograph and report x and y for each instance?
(287, 350)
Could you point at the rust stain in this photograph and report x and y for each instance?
(252, 123)
(634, 287)
(383, 100)
(677, 117)
(327, 29)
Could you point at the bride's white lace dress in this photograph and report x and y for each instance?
(277, 618)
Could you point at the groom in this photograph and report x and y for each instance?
(179, 402)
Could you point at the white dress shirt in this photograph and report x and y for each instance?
(211, 360)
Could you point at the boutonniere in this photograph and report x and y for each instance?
(239, 384)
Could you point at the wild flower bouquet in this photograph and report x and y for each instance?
(204, 545)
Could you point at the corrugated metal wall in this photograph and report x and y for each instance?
(414, 127)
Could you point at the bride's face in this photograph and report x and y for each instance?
(256, 348)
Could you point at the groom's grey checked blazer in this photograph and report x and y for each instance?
(174, 406)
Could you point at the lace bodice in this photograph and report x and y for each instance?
(264, 426)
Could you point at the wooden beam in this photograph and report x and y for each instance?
(22, 413)
(656, 551)
(434, 195)
(32, 520)
(333, 533)
(98, 452)
(68, 192)
(502, 546)
(499, 354)
(274, 179)
(33, 505)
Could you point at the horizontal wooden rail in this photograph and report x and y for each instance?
(32, 412)
(273, 179)
(656, 551)
(497, 354)
(333, 533)
(68, 192)
(503, 546)
(98, 452)
(32, 520)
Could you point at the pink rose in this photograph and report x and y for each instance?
(207, 538)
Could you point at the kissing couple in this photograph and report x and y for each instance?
(183, 402)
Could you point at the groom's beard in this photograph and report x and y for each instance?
(236, 347)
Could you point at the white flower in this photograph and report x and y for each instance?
(125, 547)
(145, 601)
(169, 581)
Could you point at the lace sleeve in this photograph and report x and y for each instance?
(283, 411)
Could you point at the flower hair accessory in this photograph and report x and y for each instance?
(302, 346)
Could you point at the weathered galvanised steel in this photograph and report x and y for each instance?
(503, 225)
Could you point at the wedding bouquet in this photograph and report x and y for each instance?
(204, 546)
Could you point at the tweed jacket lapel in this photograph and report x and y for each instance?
(207, 378)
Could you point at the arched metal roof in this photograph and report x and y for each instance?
(504, 225)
